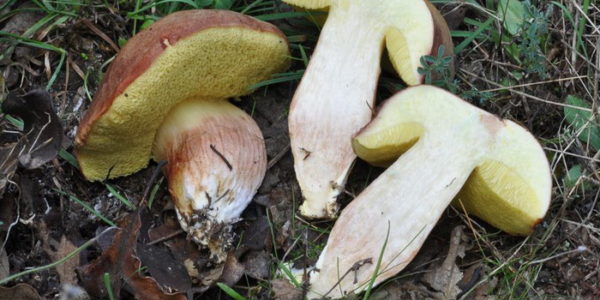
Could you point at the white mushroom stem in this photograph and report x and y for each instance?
(331, 104)
(409, 197)
(216, 161)
(336, 95)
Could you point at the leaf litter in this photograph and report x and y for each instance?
(120, 261)
(42, 129)
(279, 203)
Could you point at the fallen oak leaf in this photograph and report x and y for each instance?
(43, 131)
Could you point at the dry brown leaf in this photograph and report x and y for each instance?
(8, 164)
(232, 271)
(57, 250)
(256, 236)
(257, 264)
(403, 290)
(120, 261)
(4, 265)
(66, 270)
(168, 272)
(21, 291)
(284, 290)
(444, 278)
(471, 279)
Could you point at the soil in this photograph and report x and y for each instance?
(42, 222)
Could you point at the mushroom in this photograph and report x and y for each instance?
(165, 96)
(457, 146)
(336, 94)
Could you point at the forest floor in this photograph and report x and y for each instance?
(533, 62)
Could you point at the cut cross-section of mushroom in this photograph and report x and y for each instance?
(199, 57)
(336, 94)
(458, 147)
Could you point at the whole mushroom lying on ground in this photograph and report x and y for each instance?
(337, 92)
(452, 148)
(164, 96)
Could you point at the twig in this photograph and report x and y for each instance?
(150, 183)
(533, 83)
(525, 94)
(212, 147)
(166, 237)
(278, 156)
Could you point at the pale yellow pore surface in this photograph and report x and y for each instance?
(215, 63)
(509, 190)
(310, 4)
(382, 147)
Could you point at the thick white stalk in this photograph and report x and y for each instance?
(334, 101)
(216, 162)
(406, 200)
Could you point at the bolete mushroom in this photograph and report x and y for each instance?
(458, 146)
(166, 91)
(337, 92)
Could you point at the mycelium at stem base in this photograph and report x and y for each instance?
(337, 92)
(404, 203)
(216, 160)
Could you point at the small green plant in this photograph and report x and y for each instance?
(476, 95)
(533, 34)
(525, 34)
(583, 122)
(437, 70)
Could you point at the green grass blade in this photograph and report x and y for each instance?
(230, 292)
(108, 286)
(154, 191)
(119, 196)
(288, 274)
(63, 55)
(250, 6)
(70, 158)
(51, 265)
(290, 76)
(475, 34)
(582, 20)
(378, 265)
(89, 208)
(283, 15)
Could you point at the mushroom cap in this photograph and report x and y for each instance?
(510, 189)
(404, 38)
(196, 53)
